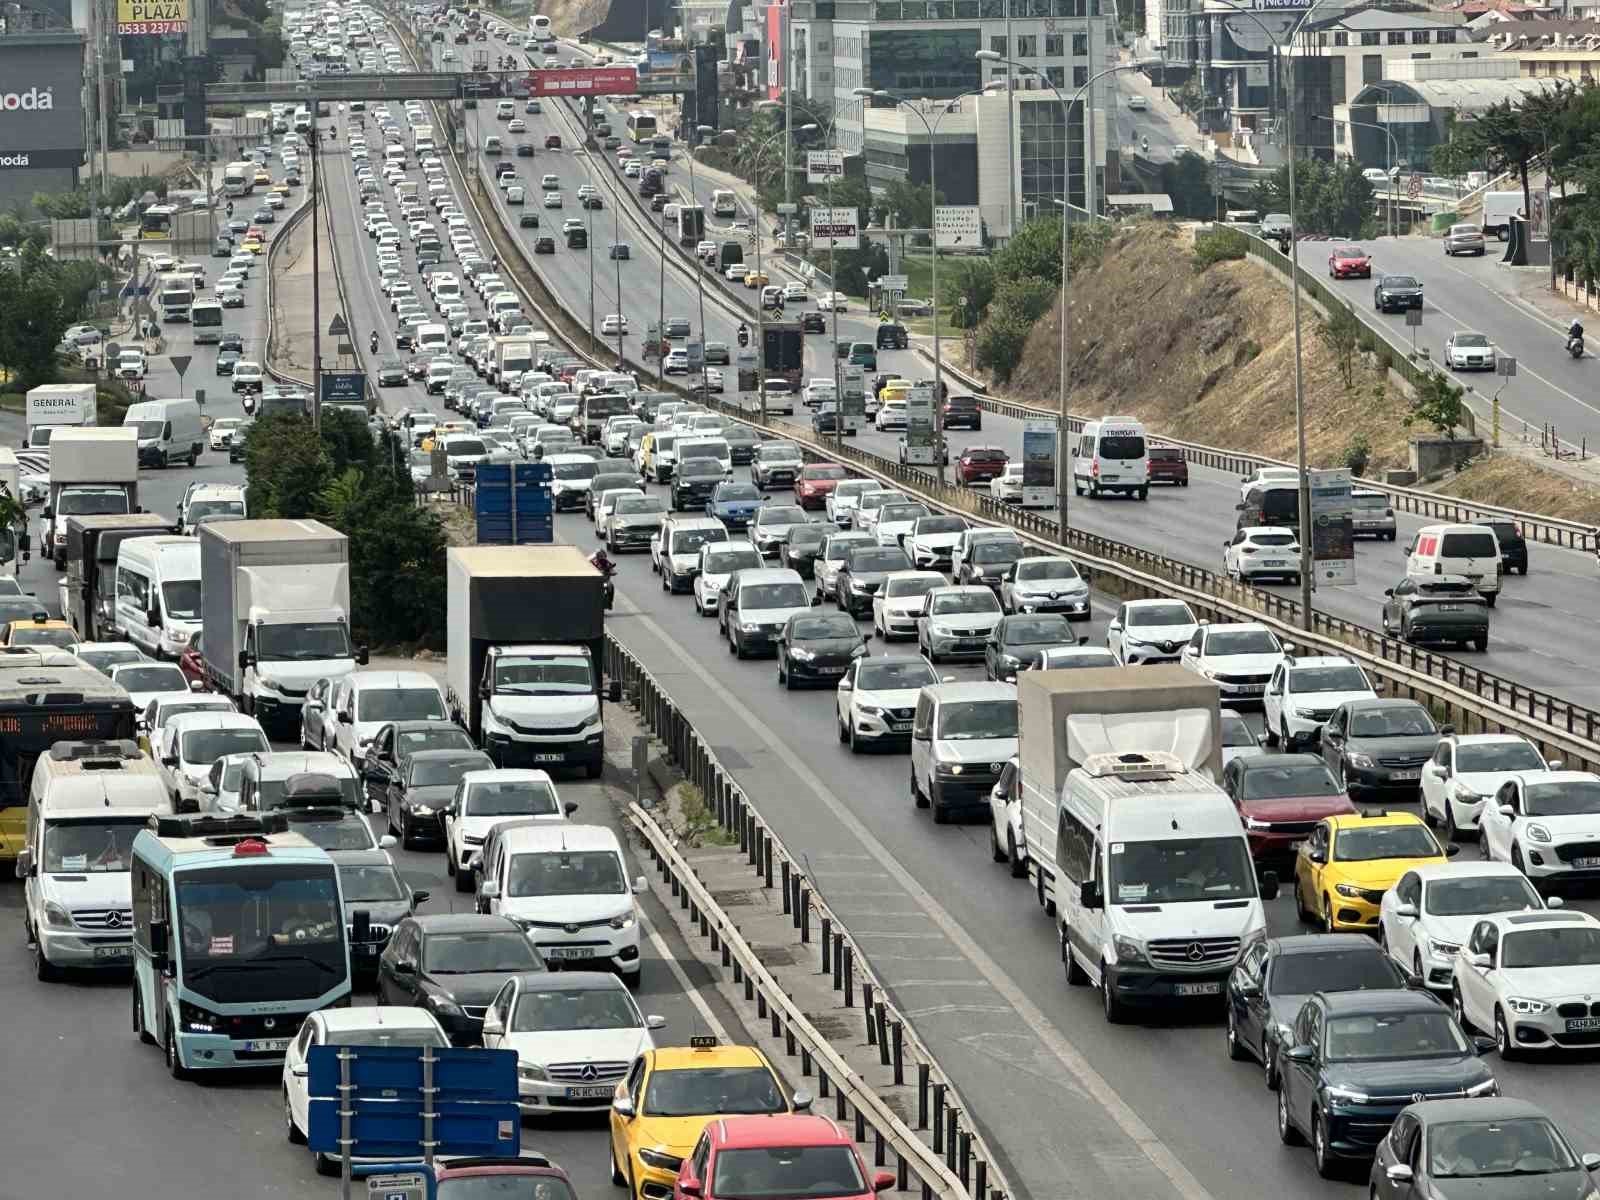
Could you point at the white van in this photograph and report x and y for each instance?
(434, 339)
(1155, 888)
(157, 605)
(1112, 456)
(1471, 551)
(168, 430)
(87, 802)
(504, 110)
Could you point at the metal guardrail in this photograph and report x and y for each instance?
(959, 1164)
(278, 243)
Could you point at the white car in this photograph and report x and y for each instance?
(832, 302)
(956, 622)
(381, 1025)
(897, 520)
(1428, 915)
(1149, 631)
(1006, 841)
(677, 362)
(1530, 979)
(575, 1034)
(190, 742)
(1303, 692)
(1261, 552)
(1006, 487)
(1546, 824)
(613, 323)
(718, 561)
(222, 430)
(794, 291)
(1239, 657)
(932, 540)
(1469, 352)
(892, 414)
(489, 798)
(877, 698)
(144, 681)
(1466, 769)
(364, 701)
(898, 602)
(1044, 584)
(873, 503)
(840, 504)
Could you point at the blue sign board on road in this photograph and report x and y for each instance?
(344, 387)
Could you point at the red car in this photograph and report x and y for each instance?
(1280, 798)
(552, 141)
(192, 665)
(980, 464)
(816, 483)
(544, 1178)
(793, 1154)
(1168, 465)
(1349, 262)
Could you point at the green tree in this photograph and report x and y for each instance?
(1000, 341)
(33, 319)
(1340, 332)
(1188, 180)
(1034, 253)
(1505, 140)
(1029, 299)
(1438, 405)
(972, 280)
(287, 467)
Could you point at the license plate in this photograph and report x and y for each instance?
(268, 1045)
(1586, 862)
(568, 951)
(1214, 988)
(900, 726)
(555, 758)
(1273, 562)
(1253, 689)
(969, 643)
(590, 1093)
(113, 952)
(830, 670)
(1405, 775)
(1583, 1024)
(1449, 608)
(364, 949)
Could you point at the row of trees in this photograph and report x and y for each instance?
(361, 487)
(40, 297)
(1331, 199)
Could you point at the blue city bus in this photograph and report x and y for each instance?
(238, 933)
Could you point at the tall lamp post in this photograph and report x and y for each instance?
(761, 311)
(701, 131)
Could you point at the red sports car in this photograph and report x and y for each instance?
(1349, 262)
(816, 481)
(790, 1154)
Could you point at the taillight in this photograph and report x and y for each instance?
(1094, 466)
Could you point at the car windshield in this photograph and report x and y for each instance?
(880, 676)
(1235, 732)
(155, 678)
(1481, 895)
(301, 643)
(542, 1009)
(1280, 781)
(901, 512)
(773, 595)
(1483, 1149)
(781, 514)
(1497, 756)
(871, 559)
(1403, 720)
(1328, 679)
(738, 491)
(370, 883)
(914, 586)
(823, 471)
(567, 873)
(478, 953)
(200, 510)
(780, 451)
(707, 1091)
(828, 626)
(1045, 568)
(1301, 974)
(1564, 798)
(458, 447)
(1241, 641)
(96, 503)
(410, 741)
(974, 720)
(725, 562)
(202, 747)
(1399, 281)
(808, 537)
(1178, 870)
(386, 1035)
(631, 505)
(1475, 340)
(1349, 252)
(790, 1172)
(1395, 1035)
(81, 847)
(104, 660)
(996, 552)
(708, 468)
(441, 772)
(400, 704)
(574, 470)
(1147, 615)
(556, 675)
(267, 932)
(511, 798)
(965, 602)
(1370, 843)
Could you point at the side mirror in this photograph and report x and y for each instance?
(802, 1101)
(569, 807)
(387, 842)
(640, 886)
(1269, 885)
(158, 939)
(1555, 902)
(1507, 810)
(1390, 592)
(1447, 730)
(169, 760)
(1089, 895)
(1483, 1045)
(1556, 764)
(47, 513)
(493, 1024)
(346, 719)
(152, 616)
(24, 864)
(1591, 1162)
(489, 890)
(816, 598)
(689, 1186)
(1399, 1173)
(361, 656)
(405, 967)
(420, 897)
(1480, 961)
(883, 1181)
(244, 659)
(1452, 850)
(655, 1022)
(1405, 909)
(1299, 1054)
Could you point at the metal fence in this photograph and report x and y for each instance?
(958, 1163)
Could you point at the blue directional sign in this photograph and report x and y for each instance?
(344, 387)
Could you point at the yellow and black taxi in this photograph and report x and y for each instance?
(36, 631)
(668, 1097)
(1348, 862)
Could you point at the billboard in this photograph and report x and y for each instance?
(920, 437)
(1333, 543)
(586, 81)
(775, 50)
(835, 229)
(666, 62)
(135, 17)
(1038, 464)
(41, 102)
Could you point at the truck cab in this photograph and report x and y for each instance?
(541, 706)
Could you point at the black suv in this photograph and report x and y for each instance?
(963, 412)
(693, 482)
(1396, 293)
(893, 337)
(813, 322)
(1513, 546)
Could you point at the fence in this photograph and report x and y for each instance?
(958, 1163)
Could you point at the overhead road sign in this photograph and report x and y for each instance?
(957, 227)
(446, 86)
(589, 81)
(824, 166)
(835, 229)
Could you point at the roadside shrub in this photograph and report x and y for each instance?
(1219, 245)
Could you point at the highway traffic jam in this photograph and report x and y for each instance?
(1158, 786)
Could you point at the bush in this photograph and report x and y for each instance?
(1357, 454)
(1220, 245)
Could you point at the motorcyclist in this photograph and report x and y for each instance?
(1575, 330)
(602, 562)
(1144, 144)
(374, 341)
(744, 334)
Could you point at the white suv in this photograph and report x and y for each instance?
(485, 799)
(365, 701)
(1303, 692)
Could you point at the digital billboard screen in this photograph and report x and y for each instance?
(41, 104)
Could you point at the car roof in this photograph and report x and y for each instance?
(1479, 869)
(463, 923)
(1236, 627)
(217, 718)
(1484, 1108)
(543, 837)
(1362, 820)
(1377, 703)
(1256, 761)
(446, 754)
(1527, 777)
(680, 1058)
(280, 764)
(945, 693)
(1316, 943)
(769, 575)
(391, 679)
(1154, 602)
(777, 1130)
(1542, 918)
(1378, 1000)
(363, 858)
(1321, 660)
(571, 981)
(1485, 739)
(370, 1016)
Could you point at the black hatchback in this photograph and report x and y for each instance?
(893, 337)
(1016, 643)
(1513, 546)
(817, 648)
(800, 549)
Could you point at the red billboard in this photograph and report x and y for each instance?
(584, 81)
(776, 51)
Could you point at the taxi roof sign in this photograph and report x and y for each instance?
(704, 1041)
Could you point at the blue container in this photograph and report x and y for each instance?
(514, 504)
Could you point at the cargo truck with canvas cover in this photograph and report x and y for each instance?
(275, 613)
(526, 653)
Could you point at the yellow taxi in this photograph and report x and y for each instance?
(39, 631)
(1342, 870)
(672, 1094)
(262, 178)
(250, 246)
(279, 189)
(756, 279)
(649, 452)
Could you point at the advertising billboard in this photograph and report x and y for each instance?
(835, 229)
(1038, 464)
(775, 50)
(921, 450)
(586, 81)
(41, 102)
(135, 17)
(1333, 543)
(666, 62)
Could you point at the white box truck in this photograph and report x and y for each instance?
(274, 613)
(52, 406)
(526, 654)
(92, 472)
(1498, 209)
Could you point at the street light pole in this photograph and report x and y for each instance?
(786, 134)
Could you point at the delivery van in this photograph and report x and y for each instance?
(1471, 551)
(1112, 456)
(169, 430)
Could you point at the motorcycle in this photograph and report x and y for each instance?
(1575, 345)
(374, 343)
(602, 563)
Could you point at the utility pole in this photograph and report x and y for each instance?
(788, 120)
(316, 273)
(1011, 134)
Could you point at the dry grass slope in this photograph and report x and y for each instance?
(570, 17)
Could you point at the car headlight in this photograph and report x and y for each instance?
(1129, 950)
(195, 1019)
(1363, 761)
(801, 654)
(870, 710)
(749, 627)
(857, 586)
(56, 916)
(422, 810)
(1538, 833)
(1342, 1095)
(1524, 1006)
(444, 1005)
(1442, 949)
(532, 1072)
(660, 1160)
(949, 768)
(1462, 794)
(1306, 714)
(623, 921)
(1348, 889)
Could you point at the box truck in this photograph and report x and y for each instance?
(52, 406)
(526, 653)
(92, 472)
(89, 588)
(274, 613)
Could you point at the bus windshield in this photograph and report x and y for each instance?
(207, 314)
(261, 933)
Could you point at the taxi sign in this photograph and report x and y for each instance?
(702, 1042)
